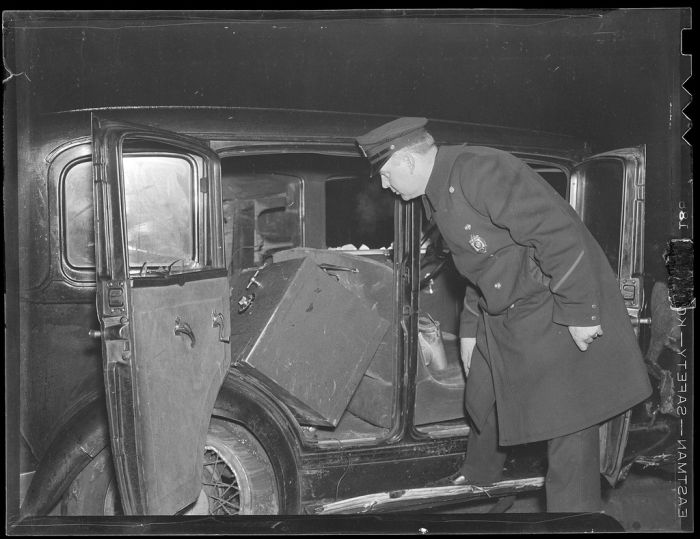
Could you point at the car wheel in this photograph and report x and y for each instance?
(238, 479)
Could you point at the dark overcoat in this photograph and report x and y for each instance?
(535, 269)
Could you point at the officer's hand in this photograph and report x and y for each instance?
(466, 347)
(583, 336)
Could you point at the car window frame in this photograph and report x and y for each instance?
(61, 161)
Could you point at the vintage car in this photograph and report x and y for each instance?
(221, 313)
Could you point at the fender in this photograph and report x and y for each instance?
(87, 434)
(241, 400)
(77, 443)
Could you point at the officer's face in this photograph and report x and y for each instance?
(399, 174)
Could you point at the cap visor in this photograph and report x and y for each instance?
(377, 166)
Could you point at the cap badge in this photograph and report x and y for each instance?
(477, 243)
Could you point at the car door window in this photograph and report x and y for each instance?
(358, 213)
(79, 233)
(160, 198)
(262, 215)
(556, 177)
(600, 204)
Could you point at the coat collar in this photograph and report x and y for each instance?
(440, 177)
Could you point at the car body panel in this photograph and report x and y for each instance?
(163, 358)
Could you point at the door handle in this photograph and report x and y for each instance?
(217, 320)
(183, 328)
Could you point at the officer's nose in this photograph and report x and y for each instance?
(385, 182)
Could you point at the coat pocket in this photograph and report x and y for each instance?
(535, 272)
(512, 275)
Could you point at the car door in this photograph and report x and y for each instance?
(162, 302)
(607, 191)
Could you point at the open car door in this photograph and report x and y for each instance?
(607, 191)
(162, 301)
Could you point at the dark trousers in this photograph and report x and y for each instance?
(572, 483)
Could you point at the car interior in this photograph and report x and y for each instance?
(326, 208)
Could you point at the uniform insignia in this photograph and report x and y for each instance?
(477, 243)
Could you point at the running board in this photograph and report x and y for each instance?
(423, 498)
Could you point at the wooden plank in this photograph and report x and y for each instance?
(425, 497)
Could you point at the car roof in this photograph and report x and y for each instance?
(266, 124)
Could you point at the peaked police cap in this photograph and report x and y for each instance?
(382, 142)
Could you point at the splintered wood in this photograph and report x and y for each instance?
(426, 497)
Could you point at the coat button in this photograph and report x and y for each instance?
(594, 306)
(467, 227)
(451, 189)
(594, 318)
(497, 285)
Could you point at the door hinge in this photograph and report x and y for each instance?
(114, 298)
(204, 184)
(629, 289)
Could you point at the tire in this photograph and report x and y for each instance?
(94, 491)
(238, 479)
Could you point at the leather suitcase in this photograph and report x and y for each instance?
(304, 336)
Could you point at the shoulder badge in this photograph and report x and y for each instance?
(477, 243)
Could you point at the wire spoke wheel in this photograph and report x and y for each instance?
(237, 478)
(220, 485)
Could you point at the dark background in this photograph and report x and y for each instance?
(602, 75)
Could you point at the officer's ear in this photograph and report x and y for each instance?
(408, 159)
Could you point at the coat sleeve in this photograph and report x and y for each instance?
(470, 312)
(516, 198)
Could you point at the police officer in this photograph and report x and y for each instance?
(545, 336)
